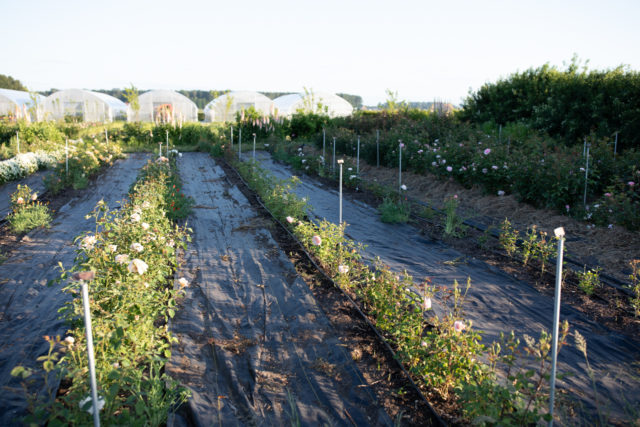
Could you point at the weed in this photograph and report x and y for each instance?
(508, 238)
(589, 280)
(27, 212)
(392, 212)
(453, 223)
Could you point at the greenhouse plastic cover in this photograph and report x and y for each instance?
(184, 110)
(221, 109)
(12, 101)
(91, 106)
(335, 106)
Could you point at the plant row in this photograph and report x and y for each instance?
(514, 159)
(25, 164)
(128, 261)
(442, 351)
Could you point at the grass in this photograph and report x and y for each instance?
(33, 216)
(392, 212)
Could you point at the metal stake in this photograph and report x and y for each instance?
(240, 144)
(18, 141)
(358, 158)
(400, 167)
(584, 147)
(340, 162)
(167, 150)
(323, 145)
(160, 148)
(559, 233)
(586, 176)
(66, 149)
(232, 136)
(615, 146)
(106, 137)
(378, 148)
(254, 147)
(333, 167)
(92, 367)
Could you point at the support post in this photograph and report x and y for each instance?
(92, 366)
(559, 233)
(378, 148)
(586, 176)
(341, 161)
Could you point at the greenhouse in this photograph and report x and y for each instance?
(327, 103)
(84, 105)
(225, 107)
(17, 104)
(164, 106)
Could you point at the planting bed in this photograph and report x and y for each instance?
(29, 306)
(253, 345)
(34, 181)
(497, 302)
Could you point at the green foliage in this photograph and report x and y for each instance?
(522, 398)
(131, 95)
(27, 212)
(8, 82)
(569, 104)
(393, 212)
(508, 237)
(86, 158)
(453, 223)
(132, 253)
(443, 352)
(589, 280)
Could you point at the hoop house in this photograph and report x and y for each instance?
(225, 107)
(18, 104)
(85, 105)
(328, 103)
(165, 106)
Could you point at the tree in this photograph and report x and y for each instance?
(8, 82)
(131, 94)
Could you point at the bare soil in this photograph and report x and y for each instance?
(607, 305)
(610, 248)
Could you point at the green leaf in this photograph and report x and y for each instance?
(171, 312)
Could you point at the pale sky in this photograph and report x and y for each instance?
(424, 50)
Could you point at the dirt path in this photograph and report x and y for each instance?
(254, 347)
(29, 309)
(34, 181)
(496, 302)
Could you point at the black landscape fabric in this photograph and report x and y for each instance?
(496, 302)
(253, 346)
(29, 306)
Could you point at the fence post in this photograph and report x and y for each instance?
(615, 146)
(323, 145)
(254, 147)
(358, 159)
(377, 148)
(400, 145)
(66, 162)
(559, 233)
(341, 161)
(18, 141)
(240, 144)
(586, 175)
(333, 162)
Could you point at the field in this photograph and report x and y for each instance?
(226, 291)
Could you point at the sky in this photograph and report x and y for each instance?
(422, 50)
